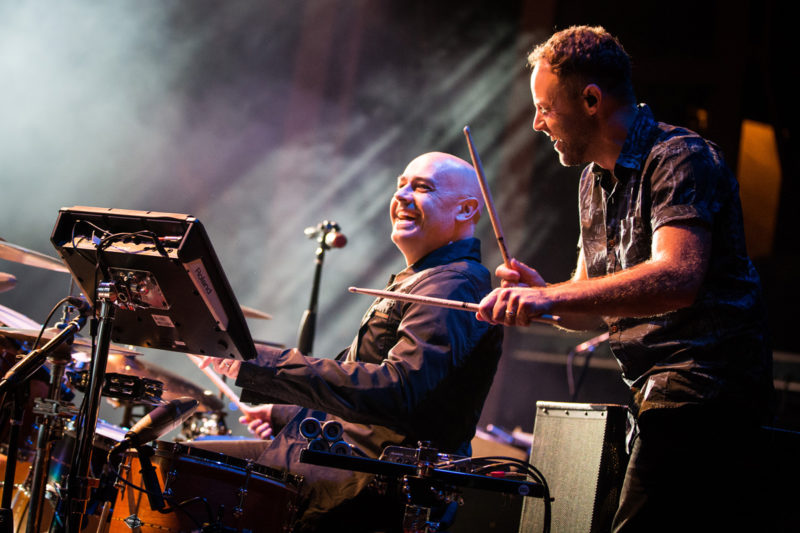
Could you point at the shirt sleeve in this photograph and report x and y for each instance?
(431, 342)
(687, 182)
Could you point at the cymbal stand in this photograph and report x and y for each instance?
(50, 414)
(78, 483)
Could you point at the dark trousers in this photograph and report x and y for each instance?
(694, 469)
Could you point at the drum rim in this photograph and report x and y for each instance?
(176, 449)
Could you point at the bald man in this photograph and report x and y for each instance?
(413, 372)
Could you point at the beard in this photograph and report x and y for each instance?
(573, 154)
(574, 146)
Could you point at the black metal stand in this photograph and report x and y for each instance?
(305, 335)
(47, 432)
(6, 513)
(78, 478)
(587, 348)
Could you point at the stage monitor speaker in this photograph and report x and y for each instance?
(580, 451)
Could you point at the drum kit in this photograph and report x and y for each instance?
(155, 282)
(209, 491)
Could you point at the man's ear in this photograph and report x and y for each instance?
(467, 209)
(592, 96)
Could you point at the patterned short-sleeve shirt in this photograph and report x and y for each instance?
(717, 347)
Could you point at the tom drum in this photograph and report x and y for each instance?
(203, 488)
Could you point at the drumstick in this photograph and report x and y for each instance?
(487, 197)
(438, 302)
(223, 387)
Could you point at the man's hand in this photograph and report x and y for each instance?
(226, 367)
(258, 420)
(517, 301)
(519, 275)
(514, 306)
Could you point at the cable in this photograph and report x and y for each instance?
(533, 472)
(74, 244)
(46, 320)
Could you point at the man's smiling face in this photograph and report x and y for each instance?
(560, 115)
(423, 209)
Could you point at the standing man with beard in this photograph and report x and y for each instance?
(662, 264)
(413, 373)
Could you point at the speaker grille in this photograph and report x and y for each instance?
(579, 448)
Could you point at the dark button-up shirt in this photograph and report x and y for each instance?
(414, 372)
(715, 349)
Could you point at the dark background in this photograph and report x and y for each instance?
(264, 117)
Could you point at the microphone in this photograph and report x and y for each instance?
(335, 239)
(33, 360)
(329, 233)
(80, 304)
(156, 423)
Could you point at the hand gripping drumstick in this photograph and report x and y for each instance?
(223, 387)
(487, 197)
(438, 302)
(498, 231)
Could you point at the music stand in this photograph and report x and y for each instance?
(159, 285)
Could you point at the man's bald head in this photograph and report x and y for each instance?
(437, 201)
(458, 175)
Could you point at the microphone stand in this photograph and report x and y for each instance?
(149, 477)
(305, 336)
(587, 348)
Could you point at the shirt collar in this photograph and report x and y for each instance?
(636, 146)
(640, 138)
(469, 248)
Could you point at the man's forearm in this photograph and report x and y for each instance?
(648, 289)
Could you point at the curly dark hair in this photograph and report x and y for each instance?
(580, 55)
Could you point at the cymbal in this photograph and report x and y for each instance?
(249, 312)
(7, 282)
(18, 254)
(15, 319)
(175, 386)
(80, 344)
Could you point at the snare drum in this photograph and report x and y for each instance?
(220, 490)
